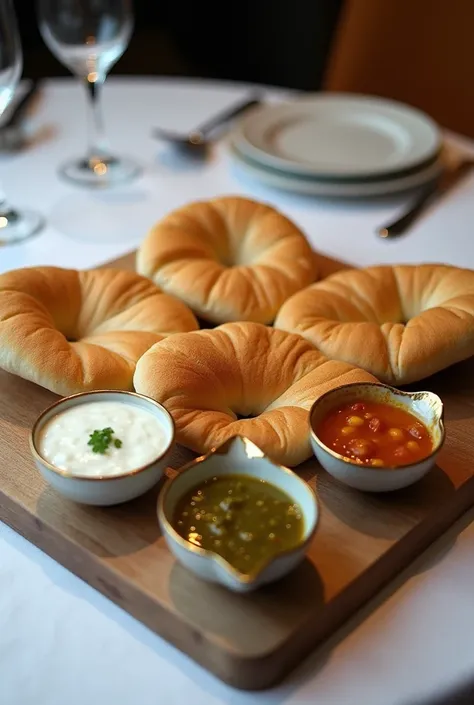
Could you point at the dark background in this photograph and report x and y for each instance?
(277, 42)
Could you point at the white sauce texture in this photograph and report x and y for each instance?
(64, 439)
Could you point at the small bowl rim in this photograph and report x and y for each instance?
(241, 578)
(381, 468)
(98, 478)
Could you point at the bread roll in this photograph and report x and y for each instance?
(229, 259)
(241, 379)
(400, 323)
(73, 331)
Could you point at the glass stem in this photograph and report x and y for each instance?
(6, 211)
(98, 150)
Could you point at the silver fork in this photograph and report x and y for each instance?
(197, 140)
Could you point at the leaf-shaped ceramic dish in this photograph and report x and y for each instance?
(426, 406)
(238, 455)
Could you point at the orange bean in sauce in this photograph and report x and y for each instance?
(385, 435)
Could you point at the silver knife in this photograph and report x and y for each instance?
(447, 181)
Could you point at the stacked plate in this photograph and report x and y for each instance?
(339, 145)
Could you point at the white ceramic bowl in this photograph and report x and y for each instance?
(425, 406)
(237, 455)
(103, 491)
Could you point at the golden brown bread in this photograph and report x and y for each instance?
(73, 331)
(229, 259)
(210, 379)
(401, 323)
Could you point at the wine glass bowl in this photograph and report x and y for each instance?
(11, 59)
(88, 37)
(15, 225)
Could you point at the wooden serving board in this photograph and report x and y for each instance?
(250, 641)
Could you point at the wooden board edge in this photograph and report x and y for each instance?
(135, 602)
(257, 673)
(358, 593)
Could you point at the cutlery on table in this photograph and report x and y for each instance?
(197, 140)
(11, 131)
(447, 181)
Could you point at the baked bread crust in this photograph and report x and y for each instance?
(210, 378)
(401, 323)
(73, 331)
(228, 259)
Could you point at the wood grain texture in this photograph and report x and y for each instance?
(249, 641)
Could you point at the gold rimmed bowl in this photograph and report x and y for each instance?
(237, 456)
(103, 490)
(426, 407)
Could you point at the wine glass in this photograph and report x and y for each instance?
(15, 224)
(89, 36)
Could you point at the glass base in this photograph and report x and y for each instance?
(16, 226)
(100, 172)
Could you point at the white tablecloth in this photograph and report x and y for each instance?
(61, 642)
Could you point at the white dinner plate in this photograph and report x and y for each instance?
(310, 186)
(339, 135)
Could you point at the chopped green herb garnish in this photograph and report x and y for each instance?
(100, 440)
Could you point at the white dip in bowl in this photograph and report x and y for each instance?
(102, 447)
(137, 438)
